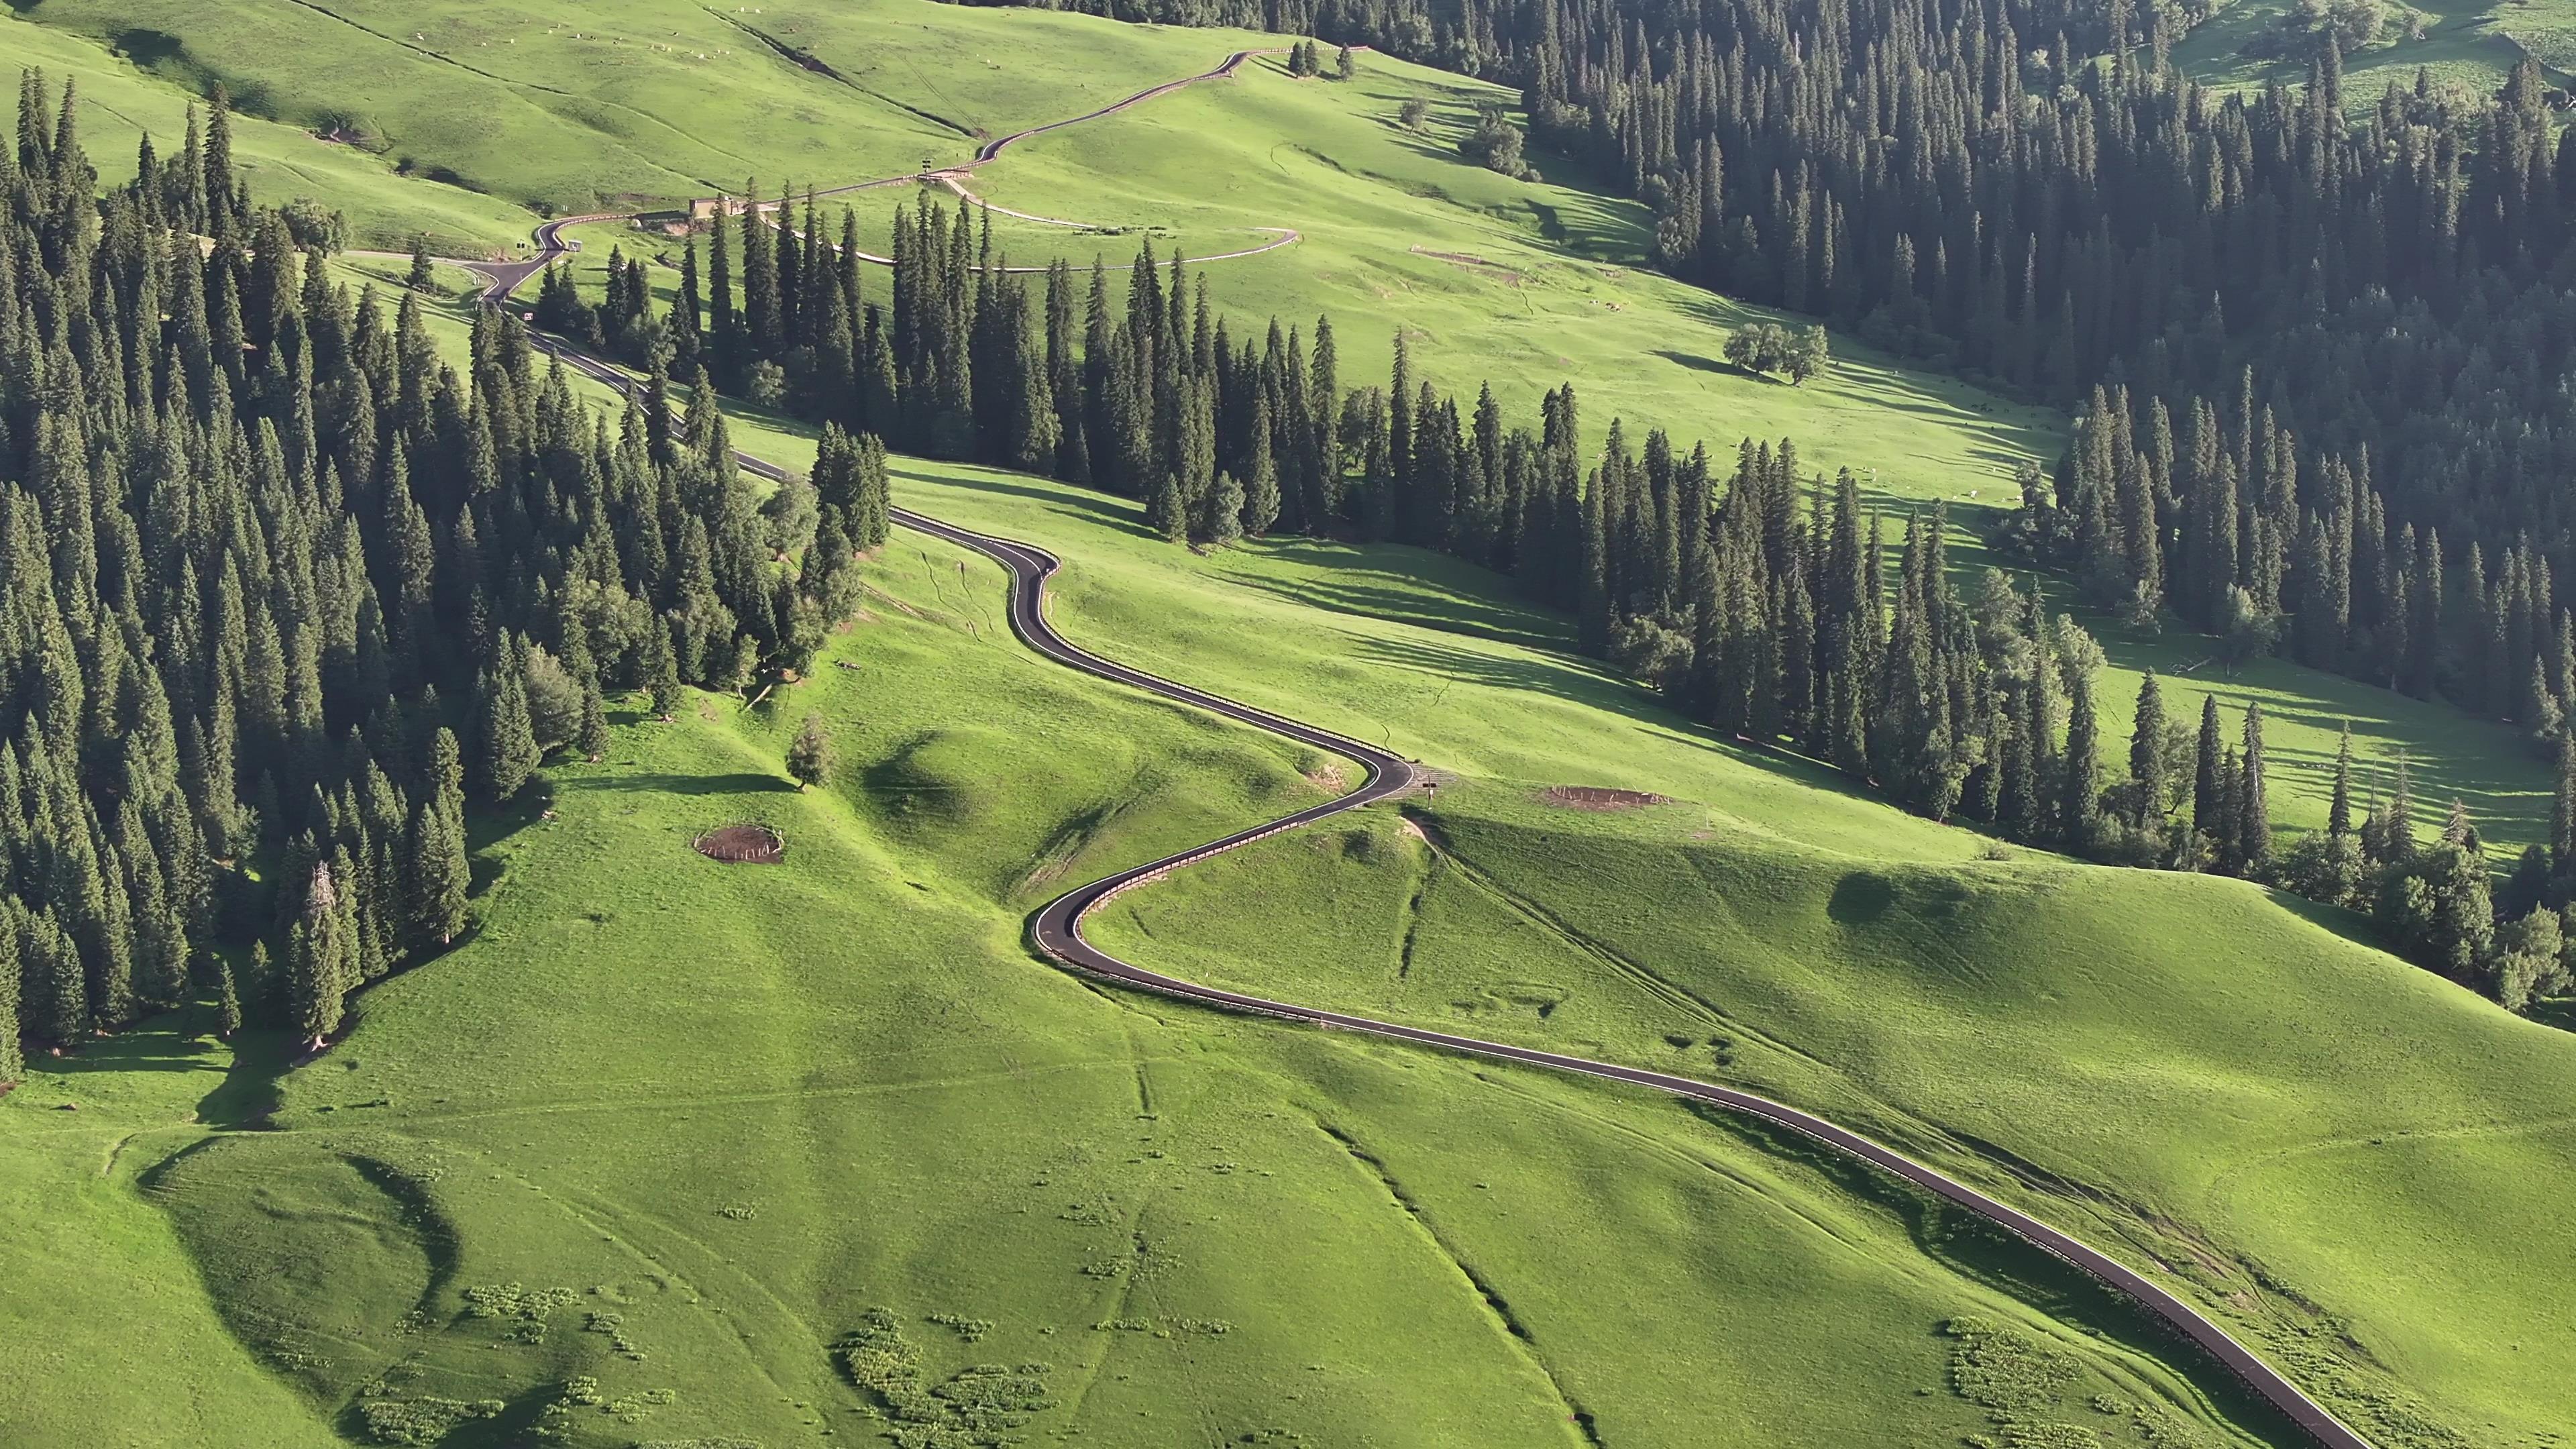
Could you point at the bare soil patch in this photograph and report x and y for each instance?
(742, 845)
(1328, 777)
(1599, 797)
(1473, 263)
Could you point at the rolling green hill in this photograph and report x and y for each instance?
(665, 1132)
(638, 1158)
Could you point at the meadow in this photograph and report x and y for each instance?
(639, 1156)
(2162, 1058)
(638, 1160)
(2470, 45)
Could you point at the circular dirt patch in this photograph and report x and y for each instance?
(1598, 797)
(743, 845)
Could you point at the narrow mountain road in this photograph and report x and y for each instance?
(1057, 927)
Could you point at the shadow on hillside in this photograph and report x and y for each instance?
(168, 1042)
(1697, 363)
(1344, 585)
(2352, 926)
(1985, 1253)
(740, 782)
(1104, 508)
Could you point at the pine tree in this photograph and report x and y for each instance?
(1223, 525)
(508, 750)
(2339, 809)
(440, 873)
(228, 1006)
(590, 738)
(2147, 754)
(320, 958)
(661, 672)
(2254, 818)
(2079, 797)
(809, 755)
(2209, 782)
(12, 1064)
(421, 278)
(1165, 512)
(2562, 814)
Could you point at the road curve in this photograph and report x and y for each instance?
(1056, 929)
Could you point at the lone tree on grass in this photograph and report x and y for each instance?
(227, 1000)
(809, 755)
(1345, 65)
(420, 278)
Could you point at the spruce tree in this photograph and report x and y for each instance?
(420, 278)
(2208, 784)
(2147, 754)
(2339, 809)
(590, 737)
(228, 1006)
(809, 755)
(12, 959)
(319, 958)
(2562, 814)
(2254, 818)
(1223, 525)
(507, 742)
(1165, 511)
(440, 873)
(661, 671)
(1261, 497)
(2079, 796)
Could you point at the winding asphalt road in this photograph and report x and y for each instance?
(1057, 927)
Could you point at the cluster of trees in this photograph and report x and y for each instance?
(1759, 603)
(1153, 397)
(1305, 62)
(2234, 526)
(2028, 192)
(279, 589)
(1496, 144)
(1769, 347)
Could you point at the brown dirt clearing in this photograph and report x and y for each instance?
(742, 845)
(1599, 797)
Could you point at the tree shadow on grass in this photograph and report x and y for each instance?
(248, 1092)
(168, 1042)
(1117, 513)
(740, 782)
(1342, 584)
(2352, 926)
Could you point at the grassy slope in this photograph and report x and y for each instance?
(2181, 1043)
(1560, 295)
(944, 1127)
(2467, 43)
(121, 102)
(1539, 732)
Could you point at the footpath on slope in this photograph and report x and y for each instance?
(1056, 929)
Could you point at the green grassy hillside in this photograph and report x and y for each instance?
(1522, 284)
(121, 102)
(663, 1133)
(634, 1160)
(2184, 1050)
